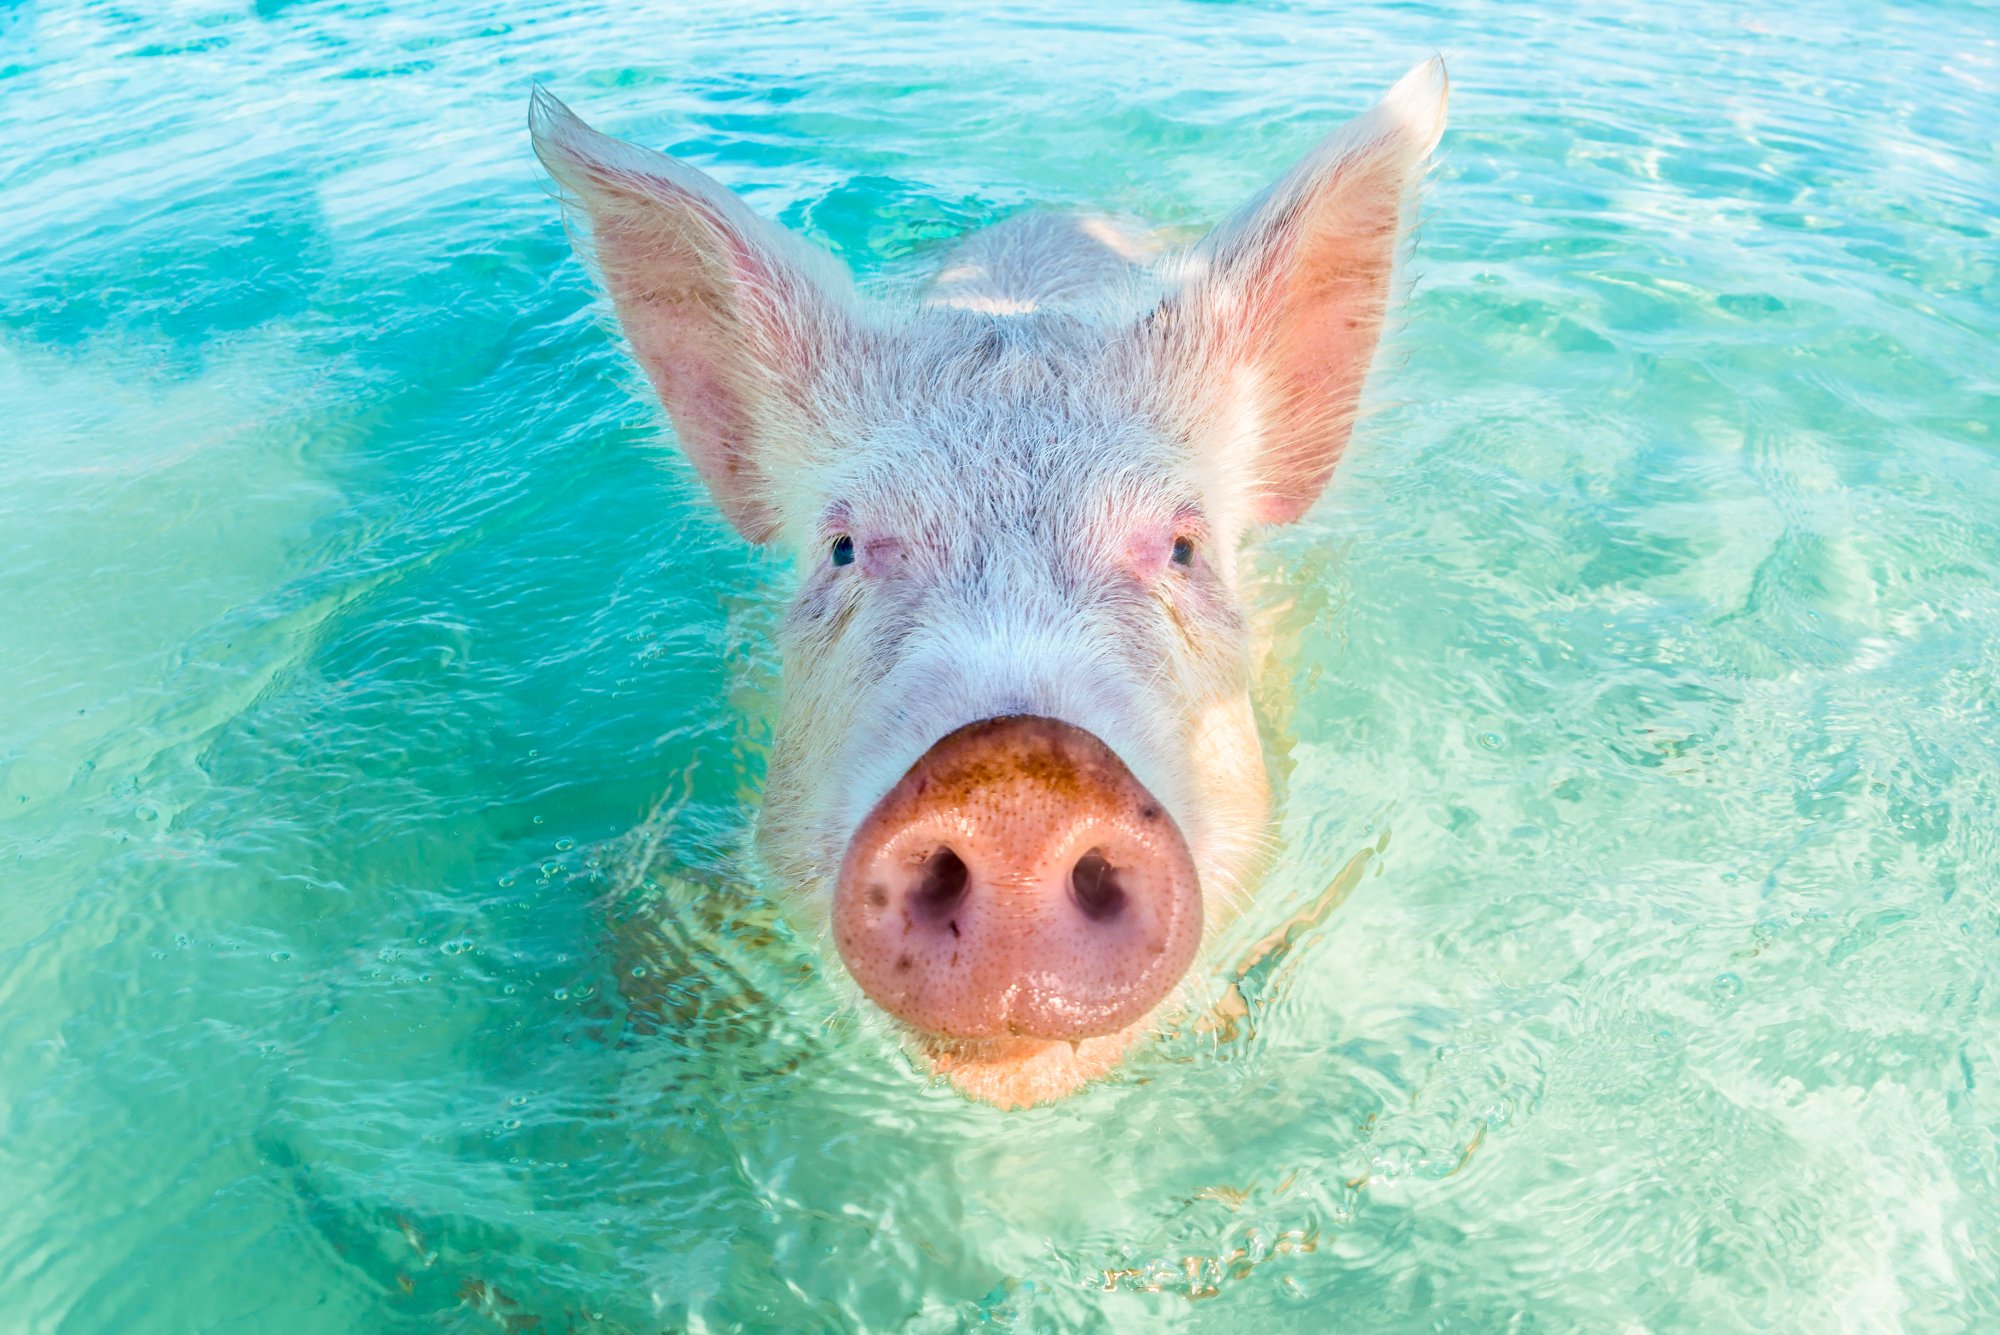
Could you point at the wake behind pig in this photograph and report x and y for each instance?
(1016, 771)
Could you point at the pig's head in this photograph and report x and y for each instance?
(1016, 770)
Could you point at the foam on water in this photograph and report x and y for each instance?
(382, 712)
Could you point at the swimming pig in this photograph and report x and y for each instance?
(1016, 768)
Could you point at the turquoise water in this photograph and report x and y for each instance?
(382, 713)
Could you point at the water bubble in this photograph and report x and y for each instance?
(1728, 986)
(458, 945)
(1492, 741)
(638, 971)
(562, 994)
(506, 882)
(280, 956)
(565, 845)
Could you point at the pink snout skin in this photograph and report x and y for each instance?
(1019, 884)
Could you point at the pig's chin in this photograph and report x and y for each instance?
(1021, 1072)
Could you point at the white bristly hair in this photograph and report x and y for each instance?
(1012, 460)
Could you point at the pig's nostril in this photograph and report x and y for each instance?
(942, 885)
(1093, 883)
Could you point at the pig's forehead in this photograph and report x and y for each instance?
(1008, 468)
(1011, 420)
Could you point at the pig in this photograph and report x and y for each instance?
(1016, 776)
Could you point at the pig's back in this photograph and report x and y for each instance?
(1041, 261)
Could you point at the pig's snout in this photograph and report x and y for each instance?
(1018, 880)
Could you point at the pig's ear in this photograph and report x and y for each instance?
(1281, 306)
(730, 317)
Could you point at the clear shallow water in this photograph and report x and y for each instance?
(381, 713)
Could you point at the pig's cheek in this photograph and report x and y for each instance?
(1208, 614)
(1186, 607)
(821, 605)
(817, 694)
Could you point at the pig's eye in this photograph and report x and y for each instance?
(1183, 551)
(843, 550)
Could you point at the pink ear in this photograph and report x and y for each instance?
(729, 316)
(1285, 300)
